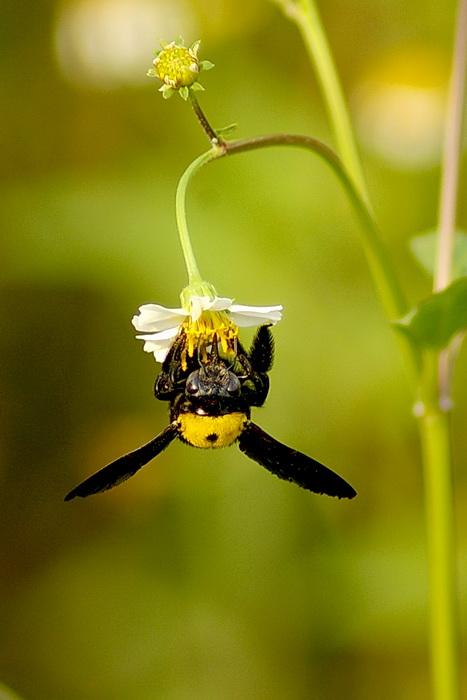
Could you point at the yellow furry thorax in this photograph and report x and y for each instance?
(211, 431)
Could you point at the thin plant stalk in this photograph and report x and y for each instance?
(449, 186)
(439, 498)
(435, 434)
(435, 425)
(451, 154)
(203, 120)
(180, 213)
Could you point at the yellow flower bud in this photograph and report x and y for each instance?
(176, 66)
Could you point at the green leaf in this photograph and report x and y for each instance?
(424, 246)
(167, 91)
(184, 92)
(206, 65)
(196, 87)
(195, 47)
(226, 130)
(435, 320)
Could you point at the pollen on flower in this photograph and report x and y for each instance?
(177, 66)
(212, 327)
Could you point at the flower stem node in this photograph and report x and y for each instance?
(178, 68)
(204, 319)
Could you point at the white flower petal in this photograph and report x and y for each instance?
(197, 306)
(159, 311)
(166, 334)
(153, 318)
(205, 303)
(245, 316)
(220, 304)
(161, 353)
(243, 308)
(159, 343)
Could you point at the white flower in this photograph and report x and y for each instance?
(161, 325)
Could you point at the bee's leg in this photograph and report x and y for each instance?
(255, 385)
(168, 380)
(252, 367)
(164, 388)
(260, 360)
(260, 388)
(262, 350)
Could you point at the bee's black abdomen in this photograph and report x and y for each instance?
(291, 465)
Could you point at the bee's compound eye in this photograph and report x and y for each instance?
(192, 383)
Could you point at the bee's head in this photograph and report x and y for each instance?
(214, 380)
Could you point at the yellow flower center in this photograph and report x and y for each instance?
(176, 66)
(211, 327)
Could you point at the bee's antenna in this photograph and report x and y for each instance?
(234, 349)
(215, 346)
(208, 350)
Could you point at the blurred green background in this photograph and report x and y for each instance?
(204, 577)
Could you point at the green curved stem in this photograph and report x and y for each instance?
(380, 266)
(180, 213)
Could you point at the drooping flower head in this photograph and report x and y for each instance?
(178, 67)
(204, 318)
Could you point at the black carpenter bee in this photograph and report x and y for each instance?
(210, 401)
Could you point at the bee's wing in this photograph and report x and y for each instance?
(124, 467)
(291, 465)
